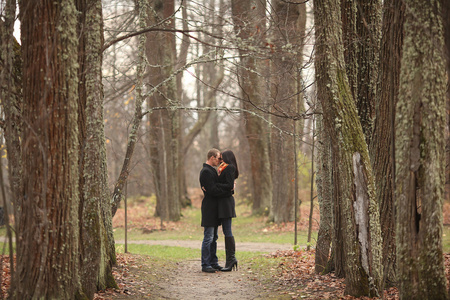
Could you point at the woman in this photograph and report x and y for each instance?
(228, 173)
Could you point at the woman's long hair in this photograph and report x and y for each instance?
(229, 158)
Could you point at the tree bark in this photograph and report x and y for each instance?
(382, 143)
(47, 232)
(358, 218)
(95, 208)
(11, 93)
(362, 32)
(446, 23)
(419, 148)
(324, 185)
(10, 85)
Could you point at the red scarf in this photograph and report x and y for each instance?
(221, 167)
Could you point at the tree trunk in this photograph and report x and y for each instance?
(164, 124)
(254, 90)
(47, 236)
(289, 30)
(353, 182)
(11, 93)
(362, 31)
(95, 207)
(181, 61)
(382, 143)
(10, 85)
(419, 148)
(446, 23)
(324, 185)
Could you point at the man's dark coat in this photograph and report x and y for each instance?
(214, 191)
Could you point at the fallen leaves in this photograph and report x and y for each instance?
(5, 278)
(296, 277)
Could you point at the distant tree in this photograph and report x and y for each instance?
(288, 23)
(419, 150)
(165, 123)
(249, 25)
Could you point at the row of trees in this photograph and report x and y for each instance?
(213, 56)
(380, 81)
(52, 100)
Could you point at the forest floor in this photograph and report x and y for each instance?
(291, 274)
(282, 273)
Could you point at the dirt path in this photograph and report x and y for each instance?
(186, 281)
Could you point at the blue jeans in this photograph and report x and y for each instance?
(226, 227)
(209, 247)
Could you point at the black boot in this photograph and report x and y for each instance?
(230, 250)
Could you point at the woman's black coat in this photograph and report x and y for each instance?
(226, 204)
(212, 191)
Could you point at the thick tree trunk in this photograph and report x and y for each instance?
(95, 207)
(164, 124)
(419, 148)
(358, 220)
(253, 91)
(289, 29)
(47, 232)
(382, 143)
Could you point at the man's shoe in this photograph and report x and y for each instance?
(209, 270)
(217, 267)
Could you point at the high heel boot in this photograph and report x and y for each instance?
(230, 250)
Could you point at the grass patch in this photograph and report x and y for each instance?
(246, 228)
(446, 239)
(177, 254)
(161, 252)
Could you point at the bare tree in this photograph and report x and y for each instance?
(289, 22)
(250, 26)
(164, 124)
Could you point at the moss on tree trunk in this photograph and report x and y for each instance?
(420, 142)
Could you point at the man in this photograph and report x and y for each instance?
(210, 217)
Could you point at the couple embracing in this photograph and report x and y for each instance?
(218, 208)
